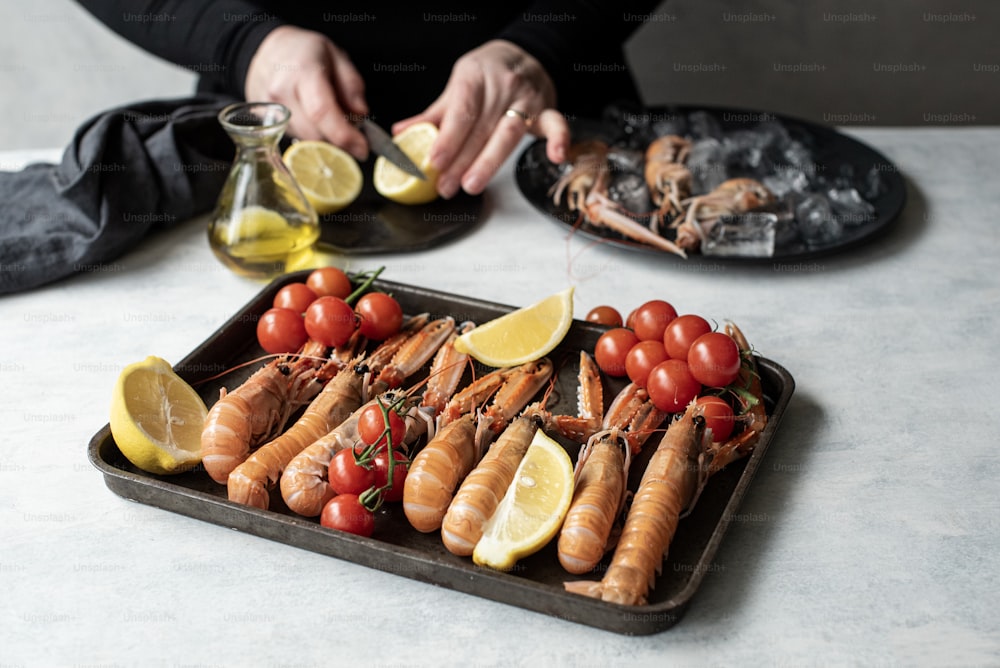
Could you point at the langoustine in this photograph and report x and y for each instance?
(258, 409)
(304, 485)
(585, 184)
(671, 484)
(601, 476)
(729, 198)
(458, 445)
(667, 486)
(250, 483)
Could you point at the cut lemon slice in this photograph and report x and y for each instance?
(523, 335)
(329, 177)
(533, 508)
(393, 183)
(157, 418)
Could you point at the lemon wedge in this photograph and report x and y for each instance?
(393, 183)
(533, 508)
(329, 177)
(157, 418)
(523, 335)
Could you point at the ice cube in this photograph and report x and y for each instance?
(706, 165)
(746, 235)
(849, 207)
(703, 125)
(786, 181)
(797, 155)
(817, 224)
(631, 192)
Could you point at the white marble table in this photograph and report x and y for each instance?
(872, 532)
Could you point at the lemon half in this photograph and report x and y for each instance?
(523, 335)
(393, 183)
(329, 176)
(533, 509)
(157, 418)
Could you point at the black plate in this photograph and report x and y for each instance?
(833, 153)
(373, 224)
(536, 583)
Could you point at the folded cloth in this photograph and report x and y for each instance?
(125, 172)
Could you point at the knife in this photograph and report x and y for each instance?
(381, 143)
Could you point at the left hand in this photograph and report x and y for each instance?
(476, 135)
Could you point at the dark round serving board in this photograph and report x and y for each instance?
(833, 152)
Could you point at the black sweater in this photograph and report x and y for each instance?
(404, 53)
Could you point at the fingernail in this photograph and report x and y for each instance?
(473, 184)
(447, 187)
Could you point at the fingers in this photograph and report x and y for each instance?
(501, 143)
(552, 125)
(324, 118)
(349, 86)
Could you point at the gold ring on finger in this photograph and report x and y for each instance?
(514, 113)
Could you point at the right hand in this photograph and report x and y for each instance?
(316, 80)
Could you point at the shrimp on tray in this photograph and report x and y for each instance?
(729, 198)
(601, 476)
(256, 411)
(251, 481)
(304, 484)
(458, 445)
(482, 490)
(673, 480)
(669, 181)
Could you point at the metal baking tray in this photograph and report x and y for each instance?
(535, 583)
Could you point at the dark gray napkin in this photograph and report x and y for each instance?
(125, 172)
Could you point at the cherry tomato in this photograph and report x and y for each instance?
(641, 359)
(329, 282)
(345, 513)
(347, 476)
(681, 333)
(719, 417)
(714, 359)
(651, 319)
(381, 316)
(371, 426)
(394, 493)
(295, 296)
(611, 349)
(605, 315)
(330, 321)
(281, 330)
(671, 386)
(630, 320)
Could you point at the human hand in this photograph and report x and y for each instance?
(316, 80)
(476, 132)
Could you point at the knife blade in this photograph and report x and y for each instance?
(381, 143)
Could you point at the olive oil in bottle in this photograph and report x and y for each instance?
(262, 222)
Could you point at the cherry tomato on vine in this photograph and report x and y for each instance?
(330, 321)
(681, 333)
(671, 386)
(329, 282)
(295, 297)
(371, 426)
(380, 314)
(345, 513)
(346, 476)
(714, 359)
(641, 359)
(611, 349)
(394, 493)
(719, 417)
(605, 315)
(281, 330)
(650, 319)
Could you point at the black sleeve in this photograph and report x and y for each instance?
(215, 38)
(568, 35)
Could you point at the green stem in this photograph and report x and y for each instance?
(361, 289)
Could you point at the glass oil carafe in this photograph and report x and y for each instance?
(262, 223)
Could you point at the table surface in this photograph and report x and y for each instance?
(870, 533)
